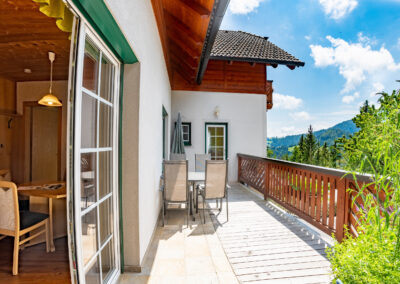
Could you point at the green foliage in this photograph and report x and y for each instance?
(309, 151)
(365, 259)
(374, 257)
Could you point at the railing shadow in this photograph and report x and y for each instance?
(304, 232)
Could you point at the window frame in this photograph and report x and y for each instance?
(225, 124)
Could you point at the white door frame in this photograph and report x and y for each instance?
(75, 151)
(224, 125)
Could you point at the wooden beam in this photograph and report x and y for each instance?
(196, 7)
(177, 51)
(182, 44)
(174, 23)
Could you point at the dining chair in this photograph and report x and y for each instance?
(175, 187)
(200, 162)
(17, 224)
(177, 157)
(215, 185)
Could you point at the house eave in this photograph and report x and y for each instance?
(258, 60)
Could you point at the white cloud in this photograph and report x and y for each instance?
(307, 37)
(377, 87)
(350, 99)
(337, 9)
(398, 43)
(286, 102)
(243, 6)
(301, 115)
(354, 60)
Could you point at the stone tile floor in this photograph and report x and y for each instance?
(181, 254)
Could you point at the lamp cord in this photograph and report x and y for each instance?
(51, 75)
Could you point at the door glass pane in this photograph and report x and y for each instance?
(91, 67)
(216, 142)
(93, 274)
(219, 131)
(88, 179)
(211, 131)
(107, 76)
(89, 235)
(89, 118)
(106, 217)
(105, 125)
(105, 173)
(107, 259)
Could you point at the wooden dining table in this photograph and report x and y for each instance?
(51, 190)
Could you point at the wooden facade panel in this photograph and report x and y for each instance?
(221, 76)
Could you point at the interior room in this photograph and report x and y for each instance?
(34, 67)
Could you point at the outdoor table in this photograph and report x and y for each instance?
(194, 177)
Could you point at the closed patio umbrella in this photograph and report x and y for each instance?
(178, 146)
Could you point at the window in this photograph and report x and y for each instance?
(217, 140)
(187, 133)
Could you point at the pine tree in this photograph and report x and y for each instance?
(310, 146)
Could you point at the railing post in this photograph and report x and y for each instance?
(341, 208)
(266, 180)
(239, 168)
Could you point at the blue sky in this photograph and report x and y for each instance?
(351, 50)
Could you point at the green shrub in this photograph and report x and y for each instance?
(365, 259)
(374, 256)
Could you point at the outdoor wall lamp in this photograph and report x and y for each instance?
(216, 111)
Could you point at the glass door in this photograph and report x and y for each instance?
(216, 140)
(95, 161)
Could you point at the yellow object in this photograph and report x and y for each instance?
(57, 9)
(50, 100)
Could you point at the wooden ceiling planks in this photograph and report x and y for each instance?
(182, 25)
(26, 37)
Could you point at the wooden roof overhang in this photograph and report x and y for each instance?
(187, 30)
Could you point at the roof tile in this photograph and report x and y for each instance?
(238, 45)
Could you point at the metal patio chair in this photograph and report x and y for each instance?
(200, 162)
(215, 185)
(175, 187)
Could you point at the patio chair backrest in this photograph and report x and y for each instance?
(176, 181)
(200, 162)
(9, 211)
(177, 157)
(216, 179)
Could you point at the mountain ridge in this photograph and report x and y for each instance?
(281, 145)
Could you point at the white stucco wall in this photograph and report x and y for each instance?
(137, 22)
(244, 113)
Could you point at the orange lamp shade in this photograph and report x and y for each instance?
(50, 100)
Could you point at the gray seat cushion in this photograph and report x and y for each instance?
(29, 218)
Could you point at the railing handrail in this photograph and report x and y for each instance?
(318, 169)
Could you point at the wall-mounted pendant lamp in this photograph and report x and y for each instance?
(50, 99)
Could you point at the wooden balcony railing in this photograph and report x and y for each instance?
(316, 194)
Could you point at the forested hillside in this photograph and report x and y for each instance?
(281, 146)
